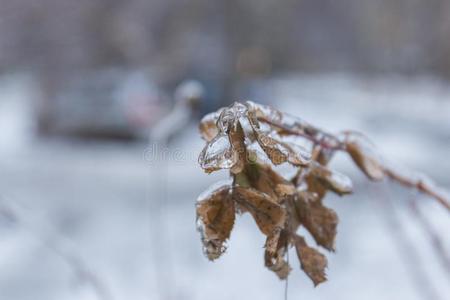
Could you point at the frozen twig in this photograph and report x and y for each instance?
(290, 125)
(422, 184)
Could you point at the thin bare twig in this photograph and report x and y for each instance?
(424, 186)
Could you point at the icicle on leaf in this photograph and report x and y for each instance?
(215, 218)
(332, 180)
(320, 221)
(267, 213)
(313, 262)
(218, 154)
(364, 154)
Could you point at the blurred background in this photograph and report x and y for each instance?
(90, 209)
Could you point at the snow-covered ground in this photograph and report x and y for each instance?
(78, 219)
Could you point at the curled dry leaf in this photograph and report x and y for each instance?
(313, 262)
(364, 154)
(268, 214)
(319, 220)
(215, 217)
(277, 150)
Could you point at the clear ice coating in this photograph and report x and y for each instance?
(340, 182)
(297, 154)
(230, 116)
(218, 154)
(264, 111)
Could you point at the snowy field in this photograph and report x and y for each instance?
(81, 220)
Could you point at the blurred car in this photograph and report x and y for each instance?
(103, 104)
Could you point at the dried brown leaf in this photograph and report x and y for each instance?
(320, 221)
(364, 154)
(216, 216)
(313, 262)
(278, 265)
(316, 189)
(263, 178)
(274, 241)
(268, 214)
(276, 249)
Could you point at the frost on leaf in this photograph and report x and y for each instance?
(215, 217)
(267, 213)
(319, 220)
(364, 154)
(313, 262)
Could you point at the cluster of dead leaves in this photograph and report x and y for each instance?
(249, 140)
